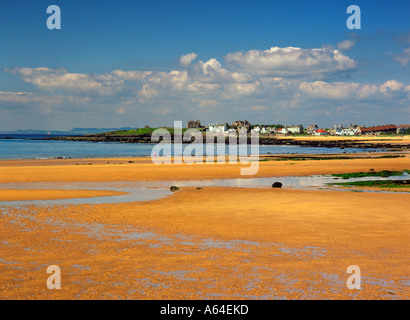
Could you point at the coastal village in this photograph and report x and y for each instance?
(245, 126)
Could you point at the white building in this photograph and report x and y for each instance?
(218, 127)
(345, 132)
(339, 130)
(242, 130)
(282, 131)
(311, 128)
(258, 129)
(295, 129)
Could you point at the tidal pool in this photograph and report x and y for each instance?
(152, 190)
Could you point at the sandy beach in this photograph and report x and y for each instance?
(208, 243)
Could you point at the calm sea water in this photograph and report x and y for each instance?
(24, 148)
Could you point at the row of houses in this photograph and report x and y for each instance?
(354, 129)
(244, 126)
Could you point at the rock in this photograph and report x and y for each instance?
(174, 188)
(277, 185)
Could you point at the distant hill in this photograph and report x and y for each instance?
(74, 131)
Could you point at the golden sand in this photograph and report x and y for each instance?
(392, 139)
(45, 194)
(142, 169)
(210, 243)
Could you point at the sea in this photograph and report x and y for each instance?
(30, 147)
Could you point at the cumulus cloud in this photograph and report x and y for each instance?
(404, 57)
(346, 45)
(392, 88)
(201, 88)
(186, 59)
(60, 79)
(28, 97)
(256, 82)
(147, 91)
(212, 71)
(353, 91)
(175, 79)
(16, 96)
(325, 90)
(293, 62)
(206, 82)
(131, 75)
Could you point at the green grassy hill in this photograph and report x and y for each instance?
(138, 132)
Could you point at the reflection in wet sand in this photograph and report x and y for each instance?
(152, 190)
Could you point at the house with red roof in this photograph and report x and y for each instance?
(391, 128)
(403, 128)
(320, 132)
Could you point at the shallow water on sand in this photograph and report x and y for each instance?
(152, 190)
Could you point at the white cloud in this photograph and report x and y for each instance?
(28, 98)
(205, 82)
(259, 108)
(186, 60)
(212, 71)
(292, 62)
(16, 96)
(60, 79)
(202, 88)
(174, 79)
(346, 45)
(204, 103)
(404, 57)
(163, 110)
(325, 90)
(353, 91)
(251, 83)
(131, 75)
(367, 91)
(120, 110)
(392, 88)
(147, 92)
(235, 90)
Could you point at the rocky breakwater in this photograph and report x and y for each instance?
(106, 138)
(342, 144)
(146, 138)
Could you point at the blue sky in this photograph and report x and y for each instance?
(131, 63)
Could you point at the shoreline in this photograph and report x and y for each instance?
(261, 156)
(363, 142)
(143, 169)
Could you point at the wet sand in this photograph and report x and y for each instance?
(44, 194)
(142, 169)
(211, 243)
